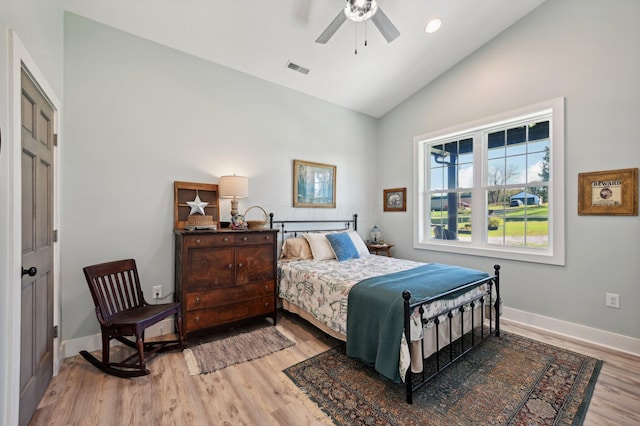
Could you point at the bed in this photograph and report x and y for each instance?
(380, 306)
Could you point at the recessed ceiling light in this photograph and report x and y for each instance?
(433, 25)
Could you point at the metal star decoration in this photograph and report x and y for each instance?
(197, 205)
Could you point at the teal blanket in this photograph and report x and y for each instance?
(375, 317)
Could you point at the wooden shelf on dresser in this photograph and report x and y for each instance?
(225, 276)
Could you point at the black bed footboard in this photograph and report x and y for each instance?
(469, 338)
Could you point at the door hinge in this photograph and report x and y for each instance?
(55, 139)
(55, 331)
(55, 235)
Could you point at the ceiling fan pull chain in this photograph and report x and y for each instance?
(365, 33)
(355, 43)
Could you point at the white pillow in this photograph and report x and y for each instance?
(360, 245)
(320, 247)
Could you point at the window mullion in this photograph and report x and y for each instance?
(479, 206)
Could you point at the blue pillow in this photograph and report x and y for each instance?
(342, 245)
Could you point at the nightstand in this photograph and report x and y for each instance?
(380, 248)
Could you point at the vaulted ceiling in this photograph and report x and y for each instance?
(260, 37)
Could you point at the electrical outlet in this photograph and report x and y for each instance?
(157, 291)
(612, 300)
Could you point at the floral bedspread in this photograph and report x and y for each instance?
(322, 289)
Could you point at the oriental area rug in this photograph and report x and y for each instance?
(505, 380)
(240, 347)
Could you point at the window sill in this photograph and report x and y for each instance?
(510, 253)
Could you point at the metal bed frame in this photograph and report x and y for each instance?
(451, 352)
(346, 225)
(456, 348)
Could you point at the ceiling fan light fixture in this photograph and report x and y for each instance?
(433, 25)
(360, 10)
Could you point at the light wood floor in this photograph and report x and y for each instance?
(258, 393)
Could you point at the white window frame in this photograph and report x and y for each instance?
(555, 252)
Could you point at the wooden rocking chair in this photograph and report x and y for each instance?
(122, 311)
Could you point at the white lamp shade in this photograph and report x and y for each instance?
(233, 186)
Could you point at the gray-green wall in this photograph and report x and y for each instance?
(563, 48)
(139, 116)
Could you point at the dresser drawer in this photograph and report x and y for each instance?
(255, 238)
(238, 293)
(209, 240)
(223, 314)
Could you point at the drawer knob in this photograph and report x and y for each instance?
(240, 265)
(197, 300)
(198, 241)
(267, 237)
(266, 287)
(230, 266)
(225, 239)
(266, 304)
(197, 320)
(244, 238)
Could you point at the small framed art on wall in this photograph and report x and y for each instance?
(611, 192)
(395, 200)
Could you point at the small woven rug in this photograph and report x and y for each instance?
(505, 380)
(212, 356)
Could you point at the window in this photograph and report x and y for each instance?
(494, 187)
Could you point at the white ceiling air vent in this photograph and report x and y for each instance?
(297, 67)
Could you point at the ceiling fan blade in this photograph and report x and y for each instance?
(384, 25)
(332, 28)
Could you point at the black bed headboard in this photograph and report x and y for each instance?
(297, 226)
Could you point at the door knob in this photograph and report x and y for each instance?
(31, 271)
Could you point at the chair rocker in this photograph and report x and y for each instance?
(122, 311)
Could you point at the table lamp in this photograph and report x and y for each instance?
(233, 187)
(375, 235)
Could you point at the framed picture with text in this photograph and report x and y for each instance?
(609, 193)
(395, 200)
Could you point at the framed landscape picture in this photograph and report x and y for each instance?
(314, 184)
(395, 200)
(612, 192)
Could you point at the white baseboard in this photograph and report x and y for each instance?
(92, 343)
(591, 335)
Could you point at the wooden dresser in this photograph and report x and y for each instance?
(225, 276)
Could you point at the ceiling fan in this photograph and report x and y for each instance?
(360, 11)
